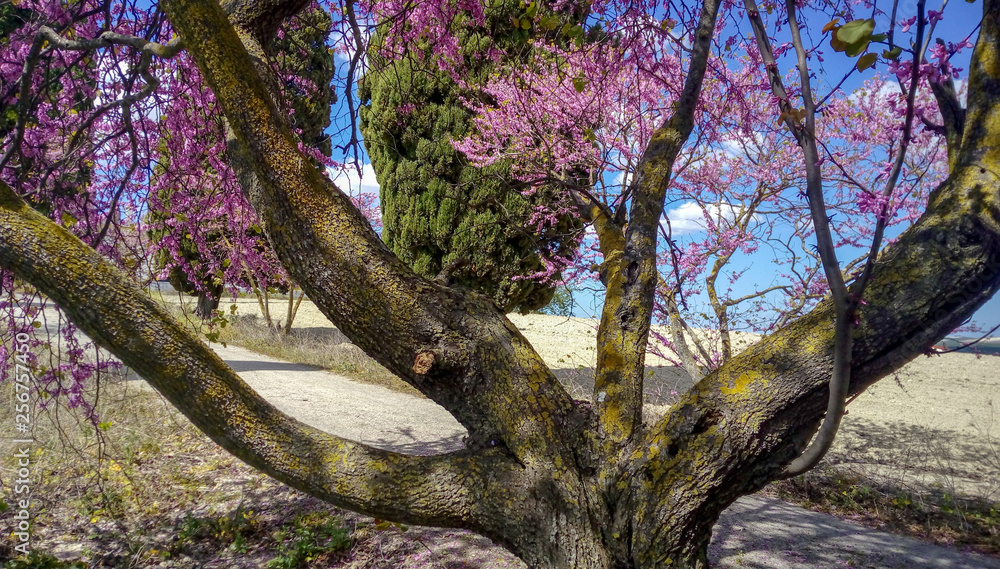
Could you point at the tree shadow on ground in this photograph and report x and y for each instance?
(906, 457)
(762, 533)
(409, 443)
(240, 366)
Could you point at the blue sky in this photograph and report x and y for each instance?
(959, 21)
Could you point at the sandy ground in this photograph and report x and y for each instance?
(930, 427)
(935, 424)
(755, 532)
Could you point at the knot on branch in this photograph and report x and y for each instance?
(443, 278)
(423, 362)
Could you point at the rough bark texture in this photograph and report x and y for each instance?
(208, 302)
(557, 483)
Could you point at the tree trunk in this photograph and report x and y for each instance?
(208, 302)
(557, 482)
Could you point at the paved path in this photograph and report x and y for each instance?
(756, 532)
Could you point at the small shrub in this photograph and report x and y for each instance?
(35, 560)
(231, 529)
(314, 538)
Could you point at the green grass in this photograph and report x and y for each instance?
(35, 560)
(146, 486)
(310, 539)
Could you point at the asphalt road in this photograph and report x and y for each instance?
(756, 532)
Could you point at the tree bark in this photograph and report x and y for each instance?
(557, 483)
(208, 302)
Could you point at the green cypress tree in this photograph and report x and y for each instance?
(438, 212)
(302, 50)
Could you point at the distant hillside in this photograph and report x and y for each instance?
(990, 346)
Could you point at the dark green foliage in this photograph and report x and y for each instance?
(11, 18)
(314, 538)
(303, 52)
(562, 303)
(35, 560)
(437, 211)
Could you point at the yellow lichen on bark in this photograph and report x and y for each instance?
(122, 318)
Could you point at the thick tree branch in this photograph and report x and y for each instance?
(108, 39)
(953, 115)
(746, 420)
(480, 368)
(632, 275)
(261, 18)
(120, 317)
(735, 430)
(610, 238)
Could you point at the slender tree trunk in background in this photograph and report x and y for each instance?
(263, 301)
(208, 302)
(293, 308)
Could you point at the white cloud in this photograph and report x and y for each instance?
(620, 181)
(689, 217)
(885, 90)
(740, 143)
(962, 88)
(686, 219)
(351, 183)
(344, 44)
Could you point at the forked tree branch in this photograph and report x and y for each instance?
(454, 347)
(119, 316)
(755, 413)
(632, 275)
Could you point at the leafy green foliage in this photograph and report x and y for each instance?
(35, 560)
(852, 38)
(304, 53)
(437, 211)
(562, 303)
(866, 61)
(314, 537)
(236, 530)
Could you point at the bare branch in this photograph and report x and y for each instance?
(108, 39)
(632, 275)
(897, 165)
(805, 134)
(677, 329)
